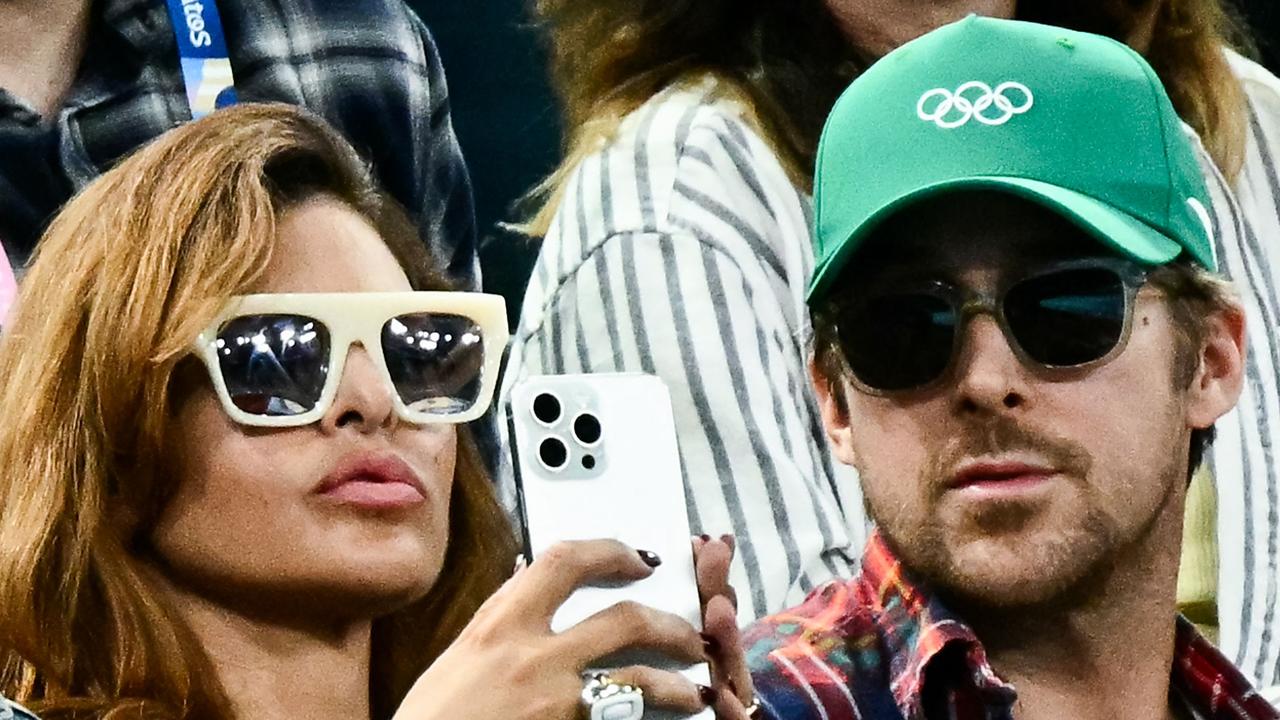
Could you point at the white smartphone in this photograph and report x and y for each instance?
(596, 457)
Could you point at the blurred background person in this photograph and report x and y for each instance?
(85, 82)
(675, 241)
(198, 520)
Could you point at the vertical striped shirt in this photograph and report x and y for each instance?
(1245, 458)
(681, 249)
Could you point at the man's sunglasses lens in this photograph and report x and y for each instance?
(1067, 318)
(273, 365)
(435, 361)
(898, 342)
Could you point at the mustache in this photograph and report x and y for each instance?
(997, 436)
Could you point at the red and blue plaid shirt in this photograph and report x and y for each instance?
(864, 648)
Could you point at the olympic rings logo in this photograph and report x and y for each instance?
(955, 109)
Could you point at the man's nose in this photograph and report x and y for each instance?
(989, 376)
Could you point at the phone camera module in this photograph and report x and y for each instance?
(553, 453)
(546, 408)
(586, 428)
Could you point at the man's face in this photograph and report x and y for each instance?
(1006, 484)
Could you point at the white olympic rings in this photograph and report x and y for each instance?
(962, 109)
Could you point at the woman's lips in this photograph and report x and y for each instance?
(374, 482)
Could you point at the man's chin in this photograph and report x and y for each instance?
(1013, 570)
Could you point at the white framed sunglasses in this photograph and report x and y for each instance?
(276, 359)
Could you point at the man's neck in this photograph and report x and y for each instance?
(270, 672)
(876, 27)
(1111, 656)
(41, 45)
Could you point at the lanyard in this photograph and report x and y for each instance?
(202, 52)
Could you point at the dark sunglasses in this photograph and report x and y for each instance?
(1069, 315)
(276, 360)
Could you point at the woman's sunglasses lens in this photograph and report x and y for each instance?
(898, 342)
(1067, 318)
(273, 365)
(435, 361)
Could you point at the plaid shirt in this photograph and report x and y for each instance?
(863, 649)
(369, 67)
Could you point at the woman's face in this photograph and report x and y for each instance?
(256, 521)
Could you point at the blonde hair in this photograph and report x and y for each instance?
(123, 280)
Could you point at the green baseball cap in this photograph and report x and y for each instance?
(1072, 121)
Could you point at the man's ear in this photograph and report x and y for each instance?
(834, 407)
(1218, 379)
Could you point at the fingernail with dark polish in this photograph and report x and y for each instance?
(711, 645)
(729, 540)
(705, 537)
(707, 695)
(650, 559)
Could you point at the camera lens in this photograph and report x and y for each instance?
(587, 429)
(546, 408)
(553, 453)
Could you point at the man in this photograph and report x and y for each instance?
(1229, 583)
(1022, 348)
(85, 82)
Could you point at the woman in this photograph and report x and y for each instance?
(215, 505)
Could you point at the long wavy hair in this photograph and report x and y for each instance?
(125, 277)
(788, 62)
(785, 60)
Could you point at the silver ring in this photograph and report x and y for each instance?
(605, 699)
(753, 710)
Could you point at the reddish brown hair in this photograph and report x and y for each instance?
(126, 276)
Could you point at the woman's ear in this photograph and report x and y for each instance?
(834, 406)
(1218, 379)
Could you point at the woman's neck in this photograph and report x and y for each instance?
(41, 45)
(271, 671)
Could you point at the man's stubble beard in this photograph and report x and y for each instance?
(1066, 569)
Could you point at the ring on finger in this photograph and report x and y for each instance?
(753, 709)
(603, 698)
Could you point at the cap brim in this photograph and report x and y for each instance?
(1111, 227)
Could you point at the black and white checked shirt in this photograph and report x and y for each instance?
(369, 67)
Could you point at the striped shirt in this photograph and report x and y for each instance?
(681, 249)
(1245, 458)
(881, 646)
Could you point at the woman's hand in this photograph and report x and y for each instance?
(508, 665)
(730, 678)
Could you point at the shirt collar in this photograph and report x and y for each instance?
(142, 24)
(916, 628)
(1209, 683)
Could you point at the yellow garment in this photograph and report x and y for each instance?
(1198, 573)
